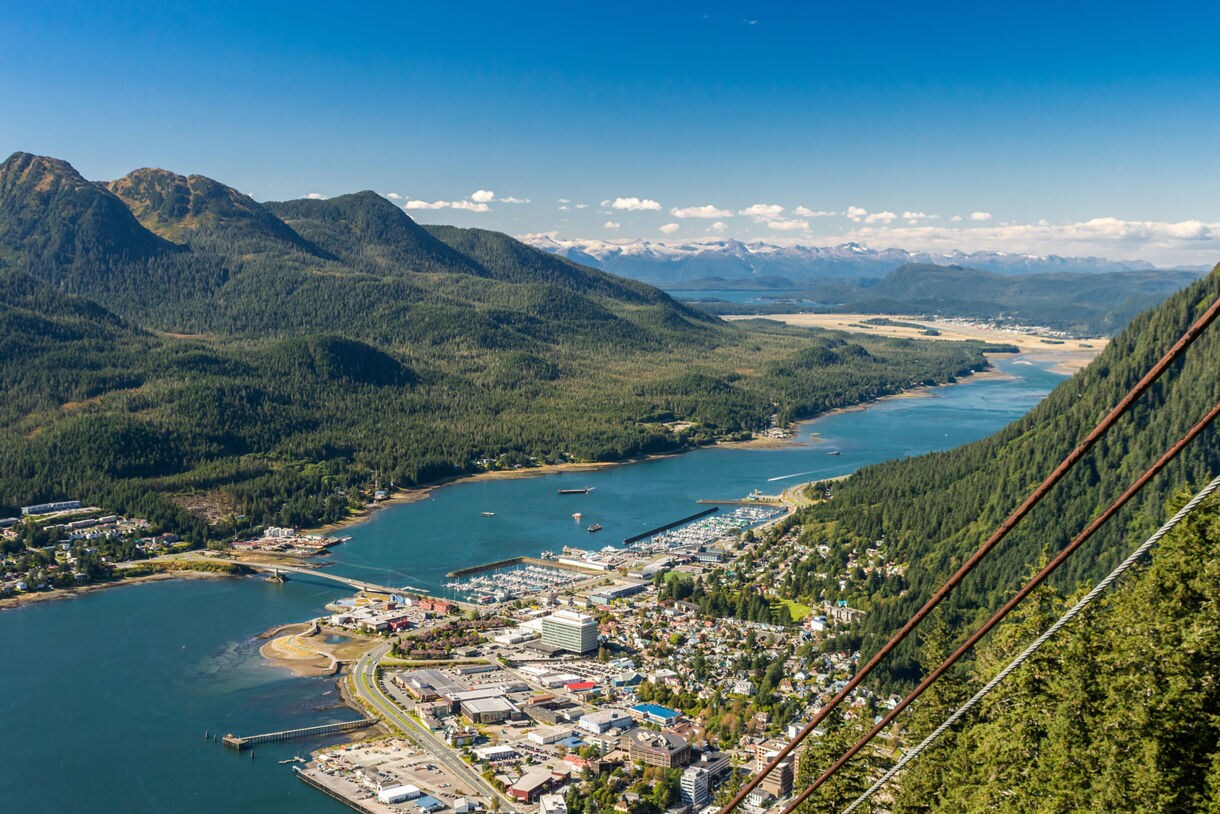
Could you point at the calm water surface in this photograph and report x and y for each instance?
(104, 699)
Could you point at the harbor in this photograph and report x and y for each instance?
(206, 667)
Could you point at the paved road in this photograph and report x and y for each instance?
(364, 681)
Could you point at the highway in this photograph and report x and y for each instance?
(367, 688)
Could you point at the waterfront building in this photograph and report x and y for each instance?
(398, 794)
(571, 631)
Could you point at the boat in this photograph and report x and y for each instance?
(834, 452)
(576, 516)
(488, 514)
(584, 491)
(594, 527)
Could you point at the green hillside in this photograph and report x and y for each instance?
(934, 510)
(180, 351)
(1117, 713)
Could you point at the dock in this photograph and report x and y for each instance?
(766, 500)
(511, 561)
(239, 743)
(329, 792)
(669, 526)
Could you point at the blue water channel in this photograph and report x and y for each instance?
(104, 698)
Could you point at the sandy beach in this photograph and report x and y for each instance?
(1067, 355)
(304, 649)
(69, 593)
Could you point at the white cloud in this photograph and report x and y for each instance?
(1187, 242)
(806, 212)
(762, 212)
(669, 228)
(564, 208)
(718, 226)
(956, 219)
(980, 216)
(316, 196)
(789, 225)
(511, 200)
(566, 201)
(610, 224)
(482, 196)
(880, 217)
(706, 211)
(414, 204)
(393, 196)
(471, 206)
(856, 213)
(912, 217)
(578, 206)
(636, 204)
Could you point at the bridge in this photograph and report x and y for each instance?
(358, 584)
(235, 742)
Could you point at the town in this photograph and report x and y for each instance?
(659, 683)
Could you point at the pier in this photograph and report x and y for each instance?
(765, 500)
(239, 743)
(669, 526)
(511, 561)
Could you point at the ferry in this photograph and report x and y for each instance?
(594, 527)
(834, 452)
(488, 514)
(584, 491)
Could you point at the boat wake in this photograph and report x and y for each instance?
(793, 475)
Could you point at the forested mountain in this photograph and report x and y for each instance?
(177, 350)
(934, 510)
(1117, 713)
(1083, 304)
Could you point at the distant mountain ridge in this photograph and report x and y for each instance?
(733, 263)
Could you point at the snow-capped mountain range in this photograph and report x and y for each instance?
(733, 263)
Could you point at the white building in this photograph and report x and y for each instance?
(552, 804)
(605, 719)
(398, 794)
(696, 787)
(549, 734)
(571, 631)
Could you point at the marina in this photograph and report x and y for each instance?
(514, 582)
(206, 668)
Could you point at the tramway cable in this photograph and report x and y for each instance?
(1012, 603)
(1050, 632)
(1175, 351)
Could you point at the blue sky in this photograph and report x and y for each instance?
(1082, 130)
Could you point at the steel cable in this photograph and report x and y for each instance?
(1171, 355)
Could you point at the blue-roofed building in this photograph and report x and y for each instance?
(656, 713)
(428, 804)
(572, 742)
